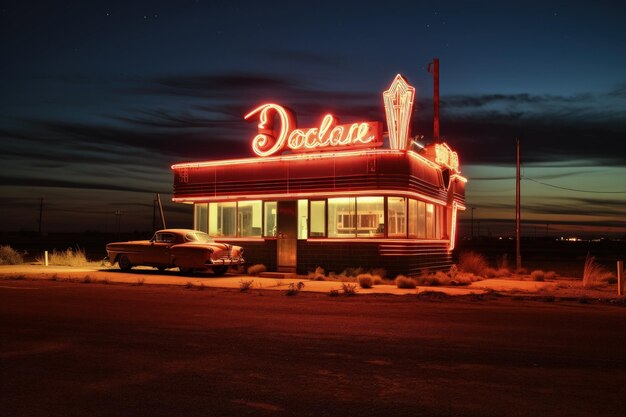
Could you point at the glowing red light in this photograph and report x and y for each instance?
(329, 134)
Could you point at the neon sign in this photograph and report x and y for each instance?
(399, 109)
(328, 135)
(446, 157)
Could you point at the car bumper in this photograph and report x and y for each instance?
(226, 261)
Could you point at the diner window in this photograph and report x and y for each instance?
(370, 214)
(200, 219)
(421, 220)
(269, 224)
(341, 217)
(303, 217)
(412, 218)
(430, 221)
(396, 208)
(222, 219)
(438, 221)
(317, 221)
(249, 218)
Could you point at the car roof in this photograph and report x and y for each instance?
(179, 231)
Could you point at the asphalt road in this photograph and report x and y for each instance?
(72, 349)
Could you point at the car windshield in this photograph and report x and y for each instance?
(199, 237)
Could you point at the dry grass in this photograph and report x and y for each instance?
(595, 274)
(317, 275)
(68, 257)
(256, 269)
(348, 289)
(294, 288)
(472, 262)
(245, 285)
(538, 275)
(365, 280)
(405, 282)
(9, 256)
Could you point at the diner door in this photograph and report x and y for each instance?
(287, 235)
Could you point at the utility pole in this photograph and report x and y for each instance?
(158, 199)
(518, 256)
(433, 68)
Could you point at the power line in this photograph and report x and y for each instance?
(573, 189)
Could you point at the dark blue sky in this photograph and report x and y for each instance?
(98, 99)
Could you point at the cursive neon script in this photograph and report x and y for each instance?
(329, 134)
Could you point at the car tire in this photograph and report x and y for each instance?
(218, 271)
(186, 271)
(124, 263)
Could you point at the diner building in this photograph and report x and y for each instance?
(332, 196)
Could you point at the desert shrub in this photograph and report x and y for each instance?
(380, 272)
(106, 280)
(377, 280)
(87, 280)
(454, 269)
(365, 280)
(348, 289)
(538, 275)
(256, 269)
(464, 278)
(139, 282)
(490, 273)
(405, 282)
(317, 275)
(472, 262)
(68, 257)
(521, 271)
(245, 285)
(594, 273)
(189, 285)
(333, 293)
(294, 288)
(9, 256)
(503, 273)
(551, 275)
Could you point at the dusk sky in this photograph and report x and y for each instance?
(98, 99)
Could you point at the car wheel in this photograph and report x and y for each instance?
(186, 271)
(218, 271)
(124, 263)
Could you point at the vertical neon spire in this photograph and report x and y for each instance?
(398, 102)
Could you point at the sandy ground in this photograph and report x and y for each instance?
(516, 285)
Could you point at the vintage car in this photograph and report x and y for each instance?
(188, 250)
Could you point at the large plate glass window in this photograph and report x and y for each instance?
(370, 213)
(200, 217)
(318, 218)
(430, 221)
(269, 225)
(342, 217)
(223, 219)
(249, 218)
(396, 207)
(303, 218)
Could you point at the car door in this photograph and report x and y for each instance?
(158, 252)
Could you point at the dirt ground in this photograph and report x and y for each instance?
(71, 348)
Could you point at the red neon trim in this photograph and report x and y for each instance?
(310, 195)
(376, 240)
(398, 101)
(329, 134)
(291, 157)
